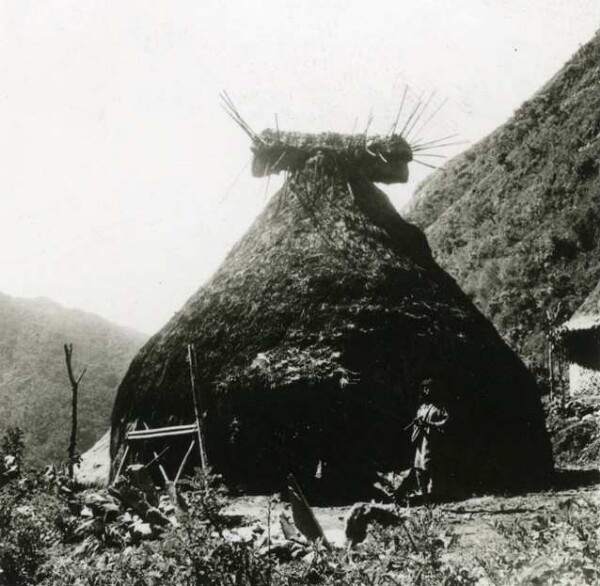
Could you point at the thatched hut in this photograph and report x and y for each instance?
(581, 340)
(314, 335)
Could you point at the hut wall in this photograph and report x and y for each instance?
(584, 381)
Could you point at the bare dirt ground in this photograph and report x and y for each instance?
(472, 521)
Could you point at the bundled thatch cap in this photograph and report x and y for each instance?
(382, 159)
(314, 335)
(587, 317)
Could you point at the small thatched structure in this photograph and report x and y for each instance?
(581, 340)
(314, 335)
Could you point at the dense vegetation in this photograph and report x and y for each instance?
(516, 218)
(49, 537)
(34, 388)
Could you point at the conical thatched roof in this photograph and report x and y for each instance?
(587, 317)
(312, 339)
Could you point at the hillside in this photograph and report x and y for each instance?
(516, 218)
(34, 388)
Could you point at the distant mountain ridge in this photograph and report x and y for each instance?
(516, 218)
(34, 388)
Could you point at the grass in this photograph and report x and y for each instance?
(45, 541)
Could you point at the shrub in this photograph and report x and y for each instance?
(32, 523)
(557, 549)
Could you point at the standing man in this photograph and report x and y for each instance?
(428, 427)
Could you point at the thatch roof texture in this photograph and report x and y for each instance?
(581, 340)
(587, 317)
(312, 339)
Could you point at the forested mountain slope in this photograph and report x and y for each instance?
(516, 218)
(34, 388)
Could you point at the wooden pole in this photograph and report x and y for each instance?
(197, 406)
(160, 466)
(74, 396)
(121, 464)
(182, 465)
(551, 366)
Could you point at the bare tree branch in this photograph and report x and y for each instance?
(74, 396)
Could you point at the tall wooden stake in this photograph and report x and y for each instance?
(552, 320)
(551, 365)
(197, 406)
(74, 395)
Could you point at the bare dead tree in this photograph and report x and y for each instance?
(74, 395)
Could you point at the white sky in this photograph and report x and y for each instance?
(115, 154)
